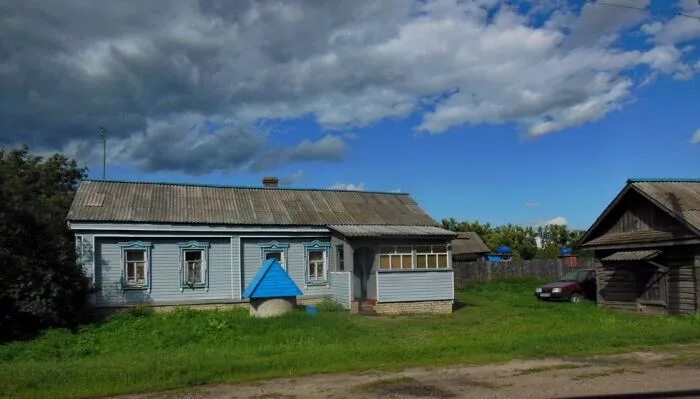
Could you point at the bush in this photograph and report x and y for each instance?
(328, 305)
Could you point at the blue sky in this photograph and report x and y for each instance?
(518, 112)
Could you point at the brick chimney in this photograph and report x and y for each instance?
(270, 182)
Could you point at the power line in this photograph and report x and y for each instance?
(689, 16)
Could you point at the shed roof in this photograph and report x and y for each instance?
(468, 242)
(271, 281)
(366, 230)
(623, 256)
(118, 201)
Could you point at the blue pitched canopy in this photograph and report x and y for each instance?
(271, 281)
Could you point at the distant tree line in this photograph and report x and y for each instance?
(522, 239)
(40, 284)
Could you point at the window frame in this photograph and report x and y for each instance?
(316, 246)
(274, 246)
(193, 246)
(414, 255)
(136, 246)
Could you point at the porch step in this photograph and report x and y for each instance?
(365, 307)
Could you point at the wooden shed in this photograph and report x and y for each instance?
(648, 243)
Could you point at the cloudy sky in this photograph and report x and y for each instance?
(501, 111)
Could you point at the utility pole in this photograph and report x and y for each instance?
(104, 152)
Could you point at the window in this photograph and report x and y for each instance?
(274, 250)
(193, 268)
(135, 267)
(395, 258)
(317, 262)
(431, 257)
(317, 266)
(340, 256)
(193, 265)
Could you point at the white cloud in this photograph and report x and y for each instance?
(559, 220)
(348, 186)
(695, 139)
(329, 148)
(450, 63)
(679, 29)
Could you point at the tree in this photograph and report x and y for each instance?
(40, 284)
(522, 239)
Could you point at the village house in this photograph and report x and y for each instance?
(648, 243)
(167, 245)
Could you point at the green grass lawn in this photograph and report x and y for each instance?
(501, 321)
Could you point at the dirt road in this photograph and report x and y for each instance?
(669, 373)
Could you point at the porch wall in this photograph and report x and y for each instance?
(402, 286)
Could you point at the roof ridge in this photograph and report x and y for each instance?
(241, 187)
(663, 180)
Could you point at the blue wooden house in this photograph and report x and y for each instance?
(168, 245)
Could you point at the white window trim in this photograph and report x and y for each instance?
(400, 255)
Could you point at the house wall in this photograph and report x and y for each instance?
(165, 272)
(404, 286)
(233, 261)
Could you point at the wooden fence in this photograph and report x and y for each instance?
(548, 269)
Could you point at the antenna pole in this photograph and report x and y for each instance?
(104, 152)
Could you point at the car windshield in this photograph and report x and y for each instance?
(579, 275)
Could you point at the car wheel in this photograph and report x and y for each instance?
(576, 298)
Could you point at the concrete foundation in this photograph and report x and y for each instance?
(418, 307)
(270, 307)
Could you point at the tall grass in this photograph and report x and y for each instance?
(138, 351)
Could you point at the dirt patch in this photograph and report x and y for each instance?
(643, 373)
(404, 386)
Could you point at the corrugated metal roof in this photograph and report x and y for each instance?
(112, 201)
(680, 198)
(623, 256)
(468, 243)
(391, 231)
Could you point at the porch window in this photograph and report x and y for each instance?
(135, 267)
(316, 266)
(431, 257)
(396, 258)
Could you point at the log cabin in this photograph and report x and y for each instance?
(648, 243)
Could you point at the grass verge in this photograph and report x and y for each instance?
(146, 352)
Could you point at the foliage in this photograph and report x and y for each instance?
(522, 239)
(502, 320)
(328, 305)
(40, 285)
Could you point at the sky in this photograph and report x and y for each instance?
(527, 112)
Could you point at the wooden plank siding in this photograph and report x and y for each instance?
(295, 262)
(617, 286)
(404, 286)
(165, 273)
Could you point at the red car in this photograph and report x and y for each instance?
(573, 287)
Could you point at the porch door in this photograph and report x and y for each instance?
(362, 266)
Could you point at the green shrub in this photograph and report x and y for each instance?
(328, 305)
